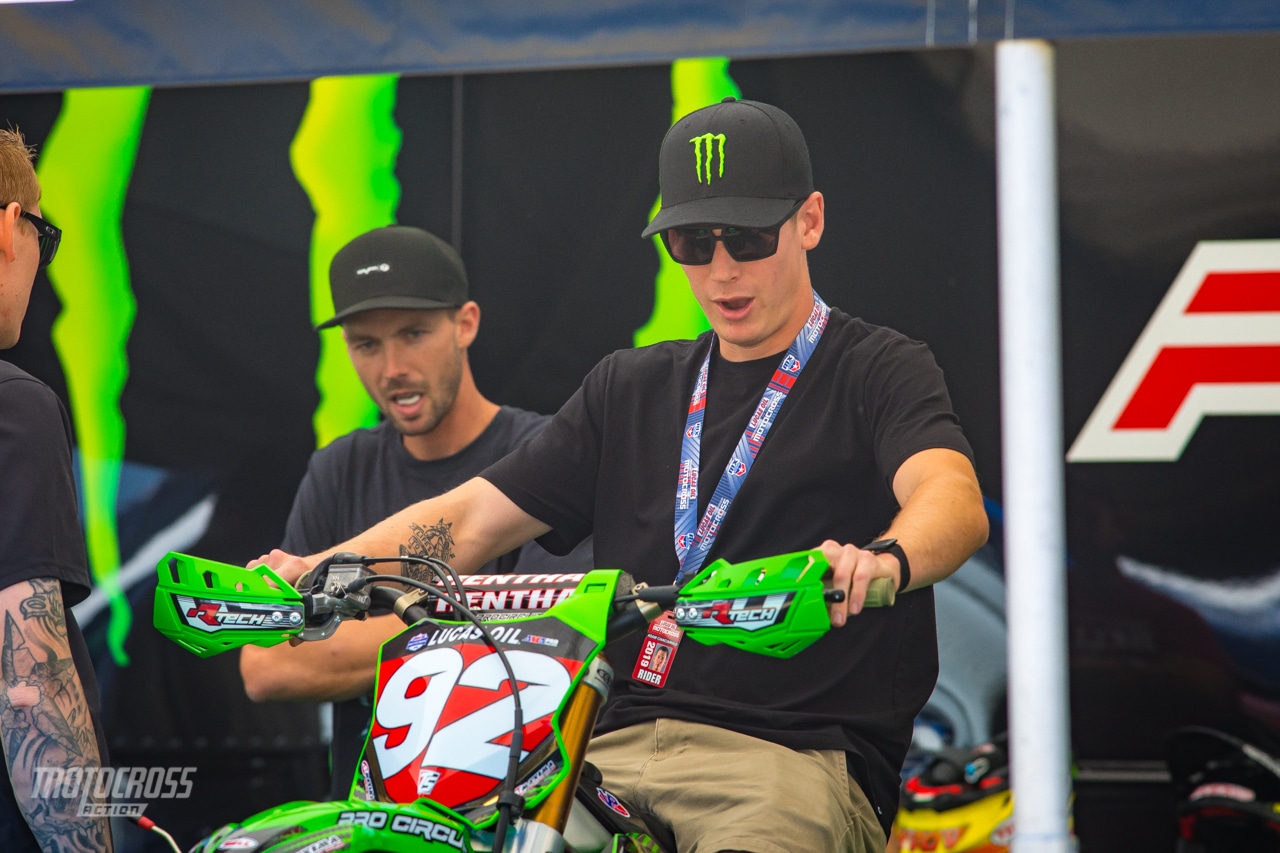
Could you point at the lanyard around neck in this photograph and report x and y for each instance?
(694, 540)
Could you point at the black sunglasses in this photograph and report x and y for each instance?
(695, 245)
(49, 235)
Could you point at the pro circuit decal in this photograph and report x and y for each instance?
(242, 842)
(1211, 348)
(442, 722)
(214, 615)
(427, 830)
(751, 614)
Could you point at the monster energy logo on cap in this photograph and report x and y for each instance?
(707, 140)
(770, 168)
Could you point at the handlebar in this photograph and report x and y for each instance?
(348, 588)
(775, 606)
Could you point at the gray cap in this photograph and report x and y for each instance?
(395, 267)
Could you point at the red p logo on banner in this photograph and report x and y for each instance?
(1211, 348)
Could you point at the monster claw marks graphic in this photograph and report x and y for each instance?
(344, 157)
(86, 187)
(1211, 348)
(713, 145)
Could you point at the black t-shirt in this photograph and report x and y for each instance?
(367, 475)
(40, 537)
(607, 465)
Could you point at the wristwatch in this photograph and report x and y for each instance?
(891, 546)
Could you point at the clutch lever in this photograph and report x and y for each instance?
(330, 600)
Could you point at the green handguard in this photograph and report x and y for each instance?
(209, 607)
(774, 606)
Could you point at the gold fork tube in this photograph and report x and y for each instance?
(576, 725)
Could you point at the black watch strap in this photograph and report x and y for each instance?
(891, 546)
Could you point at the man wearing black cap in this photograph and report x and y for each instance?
(790, 425)
(400, 296)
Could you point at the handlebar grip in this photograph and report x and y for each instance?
(880, 593)
(633, 617)
(415, 613)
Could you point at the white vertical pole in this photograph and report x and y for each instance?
(1031, 418)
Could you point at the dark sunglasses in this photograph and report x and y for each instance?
(49, 235)
(695, 245)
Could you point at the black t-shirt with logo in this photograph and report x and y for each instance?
(607, 465)
(40, 537)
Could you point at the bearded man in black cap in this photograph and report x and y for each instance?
(791, 425)
(400, 296)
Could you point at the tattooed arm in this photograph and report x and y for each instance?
(44, 720)
(465, 527)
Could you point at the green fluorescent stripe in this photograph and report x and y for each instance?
(85, 167)
(344, 157)
(695, 83)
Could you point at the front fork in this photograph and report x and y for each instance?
(541, 830)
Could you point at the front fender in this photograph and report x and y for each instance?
(350, 826)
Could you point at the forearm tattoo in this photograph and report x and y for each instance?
(45, 721)
(434, 541)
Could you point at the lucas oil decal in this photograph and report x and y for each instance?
(212, 615)
(504, 634)
(751, 614)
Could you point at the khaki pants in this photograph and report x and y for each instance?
(720, 790)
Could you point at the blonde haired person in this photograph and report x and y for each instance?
(48, 693)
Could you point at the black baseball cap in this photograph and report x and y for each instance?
(395, 267)
(733, 163)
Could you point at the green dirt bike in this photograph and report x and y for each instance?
(481, 720)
